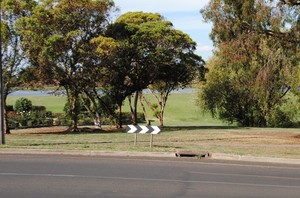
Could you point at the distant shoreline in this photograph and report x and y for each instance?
(24, 93)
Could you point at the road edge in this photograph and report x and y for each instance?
(216, 156)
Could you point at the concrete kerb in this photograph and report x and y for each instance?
(87, 153)
(221, 156)
(217, 156)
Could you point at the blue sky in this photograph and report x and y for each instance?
(184, 14)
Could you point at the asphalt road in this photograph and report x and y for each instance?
(51, 176)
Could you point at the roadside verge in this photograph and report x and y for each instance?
(216, 156)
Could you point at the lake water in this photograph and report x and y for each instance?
(30, 93)
(23, 93)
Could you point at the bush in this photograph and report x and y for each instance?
(280, 119)
(13, 119)
(284, 119)
(126, 118)
(26, 114)
(23, 105)
(9, 108)
(86, 121)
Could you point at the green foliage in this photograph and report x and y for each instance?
(26, 114)
(150, 51)
(57, 38)
(23, 105)
(68, 112)
(9, 108)
(288, 115)
(281, 119)
(256, 64)
(12, 55)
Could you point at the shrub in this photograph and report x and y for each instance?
(9, 108)
(280, 119)
(23, 105)
(29, 115)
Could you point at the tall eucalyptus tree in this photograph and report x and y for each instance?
(56, 38)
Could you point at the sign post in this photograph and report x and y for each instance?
(151, 140)
(135, 139)
(152, 130)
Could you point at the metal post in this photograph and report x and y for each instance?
(1, 83)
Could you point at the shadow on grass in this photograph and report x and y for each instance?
(66, 131)
(190, 128)
(72, 143)
(92, 130)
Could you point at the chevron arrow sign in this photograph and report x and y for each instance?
(142, 129)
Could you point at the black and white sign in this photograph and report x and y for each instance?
(143, 129)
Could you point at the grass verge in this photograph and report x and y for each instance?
(261, 142)
(189, 129)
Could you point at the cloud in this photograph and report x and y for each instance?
(204, 50)
(189, 22)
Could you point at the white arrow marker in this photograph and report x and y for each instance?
(132, 129)
(156, 130)
(144, 129)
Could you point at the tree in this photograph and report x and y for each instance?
(137, 70)
(57, 37)
(150, 51)
(256, 62)
(177, 66)
(13, 57)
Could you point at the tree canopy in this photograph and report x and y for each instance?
(74, 45)
(150, 51)
(13, 57)
(256, 63)
(56, 37)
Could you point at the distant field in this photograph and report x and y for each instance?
(52, 103)
(181, 109)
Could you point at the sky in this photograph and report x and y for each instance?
(184, 14)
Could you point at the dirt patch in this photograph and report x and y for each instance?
(61, 130)
(297, 136)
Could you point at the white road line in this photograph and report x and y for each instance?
(243, 175)
(150, 180)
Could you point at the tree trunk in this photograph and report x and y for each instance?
(161, 118)
(143, 106)
(136, 98)
(74, 115)
(72, 98)
(93, 112)
(6, 126)
(133, 107)
(120, 116)
(97, 120)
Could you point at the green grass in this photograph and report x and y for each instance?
(181, 109)
(52, 103)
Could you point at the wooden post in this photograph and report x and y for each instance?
(135, 139)
(151, 141)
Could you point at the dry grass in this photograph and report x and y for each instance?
(265, 142)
